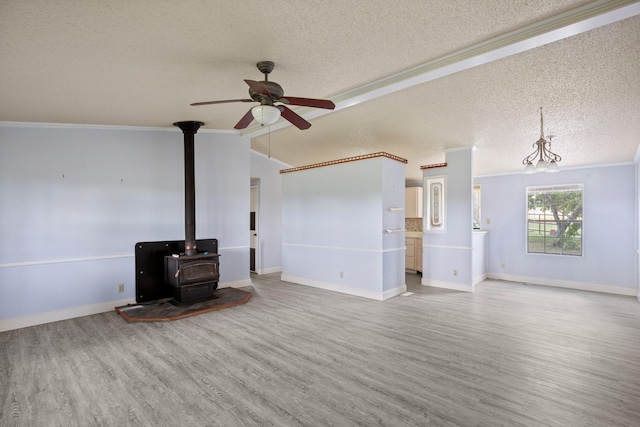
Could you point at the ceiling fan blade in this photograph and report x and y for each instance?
(221, 102)
(294, 118)
(258, 87)
(308, 102)
(244, 121)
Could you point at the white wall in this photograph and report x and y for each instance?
(75, 199)
(479, 256)
(333, 225)
(609, 236)
(270, 212)
(636, 161)
(447, 255)
(393, 244)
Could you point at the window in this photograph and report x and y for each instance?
(476, 207)
(554, 219)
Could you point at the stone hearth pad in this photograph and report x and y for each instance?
(164, 311)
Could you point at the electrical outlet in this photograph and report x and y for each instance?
(121, 287)
(488, 221)
(502, 265)
(342, 274)
(455, 272)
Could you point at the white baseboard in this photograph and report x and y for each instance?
(581, 286)
(351, 290)
(480, 278)
(269, 270)
(465, 287)
(236, 284)
(394, 292)
(85, 310)
(58, 315)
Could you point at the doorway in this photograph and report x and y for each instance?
(254, 229)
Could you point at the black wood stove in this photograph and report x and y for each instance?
(169, 269)
(193, 277)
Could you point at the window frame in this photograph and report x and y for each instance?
(476, 205)
(550, 188)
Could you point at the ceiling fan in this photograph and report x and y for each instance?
(267, 93)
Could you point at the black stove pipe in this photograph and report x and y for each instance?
(189, 129)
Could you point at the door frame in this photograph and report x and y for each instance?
(254, 206)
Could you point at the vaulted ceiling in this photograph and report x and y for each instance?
(409, 77)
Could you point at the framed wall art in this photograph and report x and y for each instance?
(435, 203)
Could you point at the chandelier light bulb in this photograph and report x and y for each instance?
(541, 165)
(553, 166)
(529, 168)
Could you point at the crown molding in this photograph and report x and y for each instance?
(108, 127)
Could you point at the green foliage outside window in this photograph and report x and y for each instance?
(554, 220)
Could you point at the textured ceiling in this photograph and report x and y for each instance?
(142, 63)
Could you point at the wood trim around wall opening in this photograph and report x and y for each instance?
(347, 160)
(436, 165)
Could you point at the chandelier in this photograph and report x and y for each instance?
(547, 159)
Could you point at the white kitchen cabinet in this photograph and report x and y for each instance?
(410, 254)
(413, 254)
(413, 202)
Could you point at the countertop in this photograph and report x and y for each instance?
(418, 234)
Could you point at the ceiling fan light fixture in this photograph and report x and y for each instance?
(267, 93)
(265, 114)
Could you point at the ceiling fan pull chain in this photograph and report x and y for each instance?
(269, 139)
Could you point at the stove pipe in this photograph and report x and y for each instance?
(189, 129)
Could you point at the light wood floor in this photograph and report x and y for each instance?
(508, 354)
